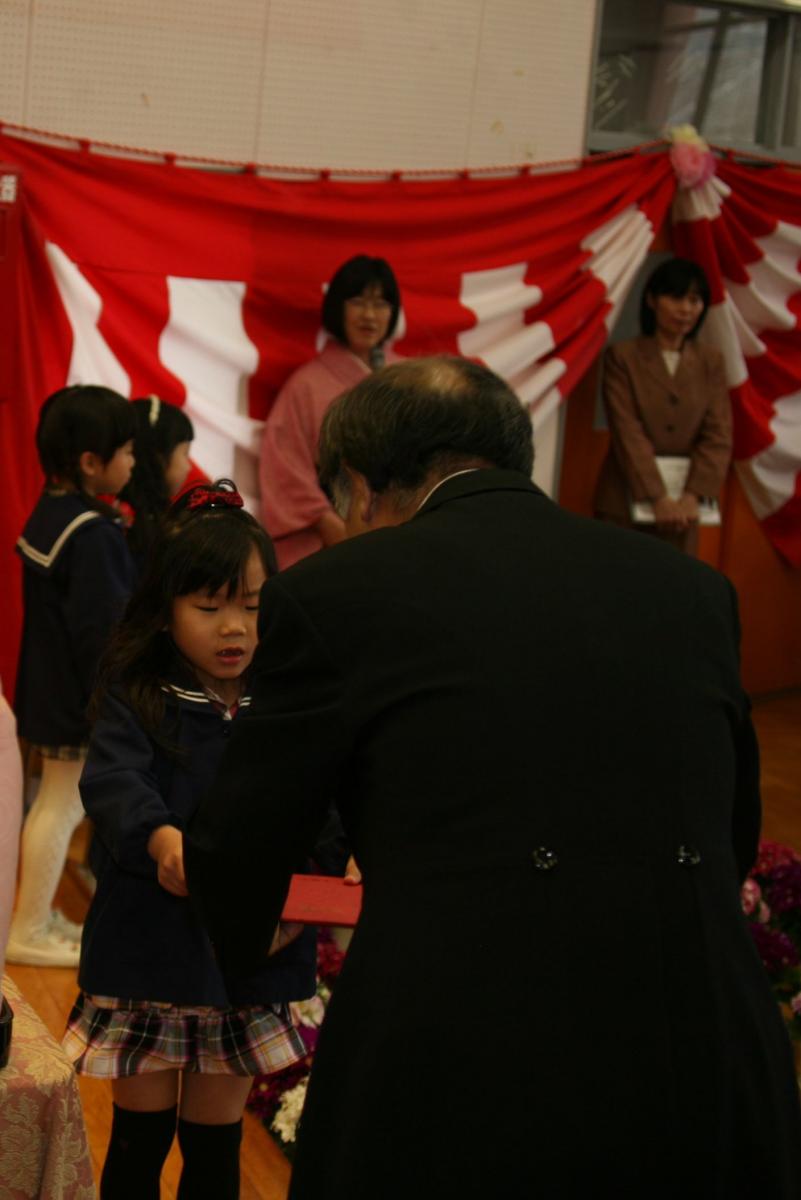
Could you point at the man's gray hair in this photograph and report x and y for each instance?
(424, 415)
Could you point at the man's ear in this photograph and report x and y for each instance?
(363, 500)
(90, 464)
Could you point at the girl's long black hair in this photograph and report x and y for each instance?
(160, 427)
(79, 418)
(204, 545)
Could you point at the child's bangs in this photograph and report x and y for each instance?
(214, 555)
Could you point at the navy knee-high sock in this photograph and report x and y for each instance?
(140, 1142)
(211, 1161)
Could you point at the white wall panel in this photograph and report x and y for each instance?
(336, 83)
(165, 74)
(369, 83)
(14, 19)
(532, 80)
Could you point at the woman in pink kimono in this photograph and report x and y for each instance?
(360, 312)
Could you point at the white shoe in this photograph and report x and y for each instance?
(62, 927)
(50, 950)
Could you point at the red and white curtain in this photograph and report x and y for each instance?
(744, 227)
(205, 287)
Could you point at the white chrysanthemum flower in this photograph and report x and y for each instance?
(308, 1012)
(285, 1121)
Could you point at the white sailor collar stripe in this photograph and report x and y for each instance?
(196, 697)
(184, 694)
(47, 560)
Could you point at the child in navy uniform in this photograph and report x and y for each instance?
(164, 434)
(77, 578)
(153, 1014)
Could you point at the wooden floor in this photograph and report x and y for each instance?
(265, 1172)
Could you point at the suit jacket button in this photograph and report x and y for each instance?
(688, 856)
(674, 399)
(670, 428)
(544, 859)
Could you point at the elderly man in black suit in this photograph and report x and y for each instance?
(534, 730)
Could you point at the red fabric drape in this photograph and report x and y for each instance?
(206, 288)
(744, 227)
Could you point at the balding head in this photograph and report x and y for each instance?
(409, 425)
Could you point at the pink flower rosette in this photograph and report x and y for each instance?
(690, 156)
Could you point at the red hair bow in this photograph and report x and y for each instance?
(209, 499)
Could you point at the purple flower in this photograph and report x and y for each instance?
(772, 855)
(775, 948)
(309, 1034)
(329, 959)
(265, 1095)
(267, 1090)
(783, 888)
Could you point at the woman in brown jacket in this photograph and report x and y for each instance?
(665, 394)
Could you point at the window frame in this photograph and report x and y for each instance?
(775, 90)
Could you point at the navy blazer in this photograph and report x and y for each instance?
(77, 578)
(140, 942)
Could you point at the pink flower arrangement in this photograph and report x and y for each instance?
(278, 1098)
(771, 901)
(752, 902)
(690, 156)
(772, 855)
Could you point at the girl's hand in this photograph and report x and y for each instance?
(166, 847)
(352, 875)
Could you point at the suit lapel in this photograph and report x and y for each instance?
(652, 361)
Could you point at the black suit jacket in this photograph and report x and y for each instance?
(535, 732)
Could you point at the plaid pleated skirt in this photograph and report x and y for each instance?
(109, 1038)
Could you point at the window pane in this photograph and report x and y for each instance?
(667, 64)
(792, 116)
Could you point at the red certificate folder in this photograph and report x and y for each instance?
(322, 900)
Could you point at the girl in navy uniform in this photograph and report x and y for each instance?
(153, 1014)
(77, 578)
(163, 437)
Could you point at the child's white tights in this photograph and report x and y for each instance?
(53, 817)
